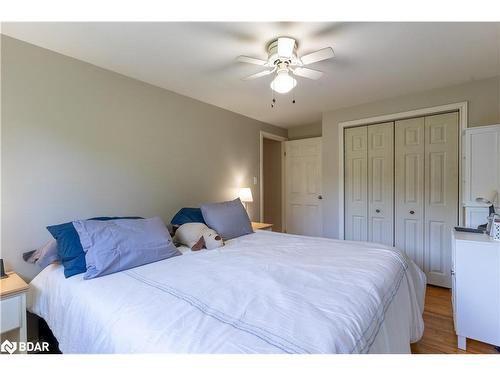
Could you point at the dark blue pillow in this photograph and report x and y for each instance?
(70, 249)
(188, 215)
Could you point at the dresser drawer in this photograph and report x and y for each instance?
(10, 308)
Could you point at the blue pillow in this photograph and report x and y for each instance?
(188, 215)
(70, 249)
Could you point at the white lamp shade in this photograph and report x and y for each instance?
(245, 195)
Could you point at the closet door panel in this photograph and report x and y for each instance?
(356, 205)
(441, 195)
(409, 188)
(381, 183)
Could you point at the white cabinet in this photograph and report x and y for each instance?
(482, 171)
(476, 288)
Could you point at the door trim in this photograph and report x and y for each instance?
(461, 107)
(281, 139)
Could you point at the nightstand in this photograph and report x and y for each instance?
(262, 226)
(13, 308)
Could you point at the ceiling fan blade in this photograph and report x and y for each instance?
(285, 47)
(251, 60)
(322, 54)
(307, 73)
(258, 75)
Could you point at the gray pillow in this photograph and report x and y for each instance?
(44, 255)
(117, 245)
(229, 219)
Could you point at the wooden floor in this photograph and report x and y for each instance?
(439, 334)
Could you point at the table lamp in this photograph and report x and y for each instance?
(245, 195)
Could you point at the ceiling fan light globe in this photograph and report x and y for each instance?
(283, 83)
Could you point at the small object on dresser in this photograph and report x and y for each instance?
(495, 230)
(3, 275)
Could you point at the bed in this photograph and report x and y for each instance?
(264, 292)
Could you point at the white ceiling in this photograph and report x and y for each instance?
(373, 60)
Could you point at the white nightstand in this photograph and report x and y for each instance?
(13, 308)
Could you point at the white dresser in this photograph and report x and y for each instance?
(476, 288)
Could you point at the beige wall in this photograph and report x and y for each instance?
(80, 141)
(272, 183)
(483, 98)
(305, 131)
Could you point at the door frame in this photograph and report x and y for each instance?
(461, 107)
(281, 139)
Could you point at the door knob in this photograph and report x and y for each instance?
(320, 197)
(377, 211)
(412, 212)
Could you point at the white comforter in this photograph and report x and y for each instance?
(261, 293)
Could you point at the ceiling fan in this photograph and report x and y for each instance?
(284, 61)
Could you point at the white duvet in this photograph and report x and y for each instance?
(261, 293)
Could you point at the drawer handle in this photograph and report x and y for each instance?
(412, 212)
(377, 211)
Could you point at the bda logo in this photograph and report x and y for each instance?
(8, 347)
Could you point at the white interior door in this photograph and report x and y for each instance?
(303, 209)
(441, 195)
(381, 183)
(356, 184)
(409, 188)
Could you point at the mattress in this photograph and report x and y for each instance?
(264, 292)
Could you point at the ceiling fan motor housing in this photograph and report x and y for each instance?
(274, 59)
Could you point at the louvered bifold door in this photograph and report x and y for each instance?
(381, 183)
(356, 189)
(441, 195)
(409, 188)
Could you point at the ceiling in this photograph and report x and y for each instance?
(372, 61)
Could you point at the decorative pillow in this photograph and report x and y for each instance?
(44, 255)
(117, 245)
(187, 215)
(229, 219)
(69, 249)
(198, 235)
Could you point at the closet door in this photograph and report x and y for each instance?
(409, 184)
(441, 195)
(381, 183)
(356, 205)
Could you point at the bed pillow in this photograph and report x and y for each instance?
(229, 219)
(44, 255)
(187, 215)
(117, 245)
(69, 249)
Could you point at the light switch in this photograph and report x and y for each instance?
(254, 180)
